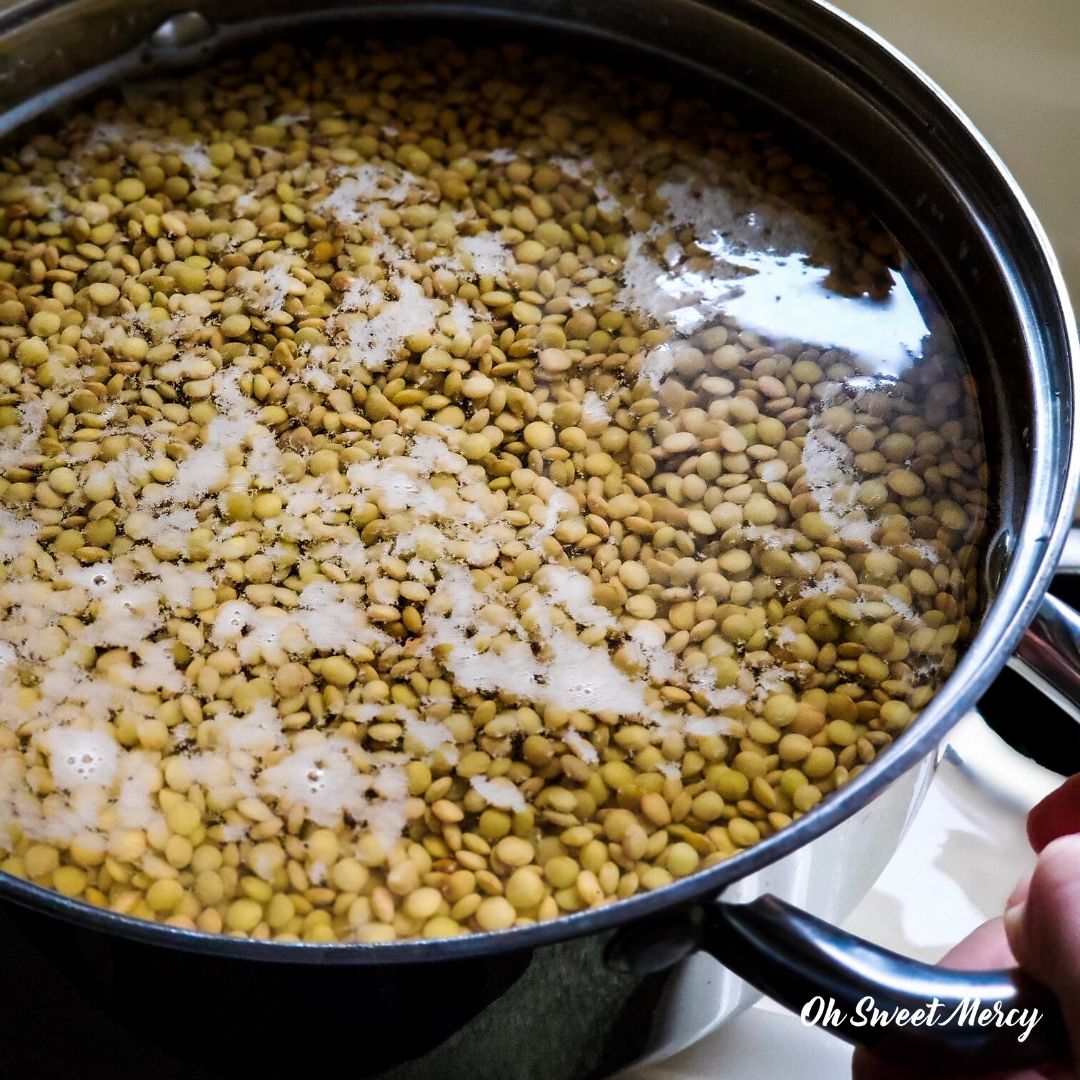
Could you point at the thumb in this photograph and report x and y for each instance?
(1044, 929)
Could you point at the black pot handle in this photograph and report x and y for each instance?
(836, 979)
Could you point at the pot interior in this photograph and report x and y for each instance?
(853, 107)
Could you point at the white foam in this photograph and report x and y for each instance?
(487, 254)
(140, 779)
(573, 591)
(568, 673)
(430, 735)
(593, 407)
(360, 187)
(19, 443)
(80, 757)
(499, 792)
(580, 745)
(268, 294)
(559, 505)
(204, 471)
(646, 645)
(378, 339)
(16, 534)
(322, 778)
(258, 732)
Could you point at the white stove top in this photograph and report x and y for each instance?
(966, 849)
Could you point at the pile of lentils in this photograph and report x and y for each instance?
(399, 536)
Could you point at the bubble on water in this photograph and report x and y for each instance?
(80, 757)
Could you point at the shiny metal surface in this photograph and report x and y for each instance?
(1048, 655)
(994, 769)
(938, 186)
(183, 31)
(1069, 563)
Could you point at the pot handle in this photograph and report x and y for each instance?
(798, 959)
(808, 966)
(1048, 655)
(842, 983)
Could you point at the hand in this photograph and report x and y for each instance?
(1040, 930)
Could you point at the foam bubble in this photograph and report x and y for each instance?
(79, 757)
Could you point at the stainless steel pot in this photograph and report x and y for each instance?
(611, 983)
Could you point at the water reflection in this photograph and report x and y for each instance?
(757, 269)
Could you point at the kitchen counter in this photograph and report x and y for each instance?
(1014, 67)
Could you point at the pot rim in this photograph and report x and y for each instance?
(1054, 482)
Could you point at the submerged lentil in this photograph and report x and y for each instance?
(403, 530)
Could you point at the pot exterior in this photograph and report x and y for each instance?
(558, 1012)
(113, 1008)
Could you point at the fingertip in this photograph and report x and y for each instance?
(1053, 896)
(1019, 893)
(1013, 922)
(985, 947)
(1041, 928)
(1057, 815)
(1048, 941)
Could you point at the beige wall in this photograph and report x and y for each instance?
(1014, 67)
